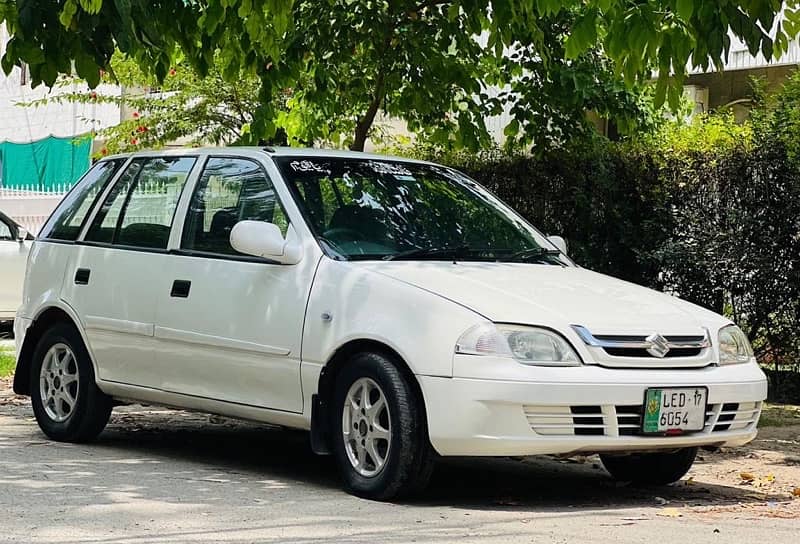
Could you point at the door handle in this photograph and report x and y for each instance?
(82, 276)
(180, 288)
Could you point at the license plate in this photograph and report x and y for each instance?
(674, 410)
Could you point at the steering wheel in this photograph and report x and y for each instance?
(342, 234)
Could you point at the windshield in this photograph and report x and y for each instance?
(383, 209)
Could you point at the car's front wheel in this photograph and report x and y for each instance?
(380, 438)
(658, 468)
(67, 403)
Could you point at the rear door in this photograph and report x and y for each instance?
(118, 267)
(229, 325)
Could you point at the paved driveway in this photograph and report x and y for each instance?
(163, 476)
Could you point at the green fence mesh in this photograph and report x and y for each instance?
(49, 164)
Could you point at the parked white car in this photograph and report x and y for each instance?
(15, 242)
(393, 307)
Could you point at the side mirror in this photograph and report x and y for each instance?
(262, 239)
(22, 234)
(560, 243)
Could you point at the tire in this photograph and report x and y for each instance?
(70, 375)
(408, 458)
(650, 468)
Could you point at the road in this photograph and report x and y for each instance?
(166, 476)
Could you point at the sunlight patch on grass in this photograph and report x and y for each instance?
(779, 415)
(7, 363)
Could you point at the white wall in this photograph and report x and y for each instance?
(18, 124)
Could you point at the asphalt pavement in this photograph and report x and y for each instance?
(167, 476)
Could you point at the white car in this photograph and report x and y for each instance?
(14, 245)
(394, 308)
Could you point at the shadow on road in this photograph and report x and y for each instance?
(264, 452)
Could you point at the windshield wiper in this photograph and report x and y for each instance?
(535, 253)
(454, 252)
(332, 248)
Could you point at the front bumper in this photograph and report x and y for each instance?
(583, 409)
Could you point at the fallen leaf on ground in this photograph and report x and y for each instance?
(669, 513)
(747, 476)
(796, 491)
(769, 479)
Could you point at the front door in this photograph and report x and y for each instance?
(116, 272)
(229, 327)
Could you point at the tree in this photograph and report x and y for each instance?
(426, 61)
(183, 106)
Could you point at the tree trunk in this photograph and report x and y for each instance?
(365, 122)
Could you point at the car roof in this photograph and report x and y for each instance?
(258, 150)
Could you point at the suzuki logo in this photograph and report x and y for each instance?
(659, 346)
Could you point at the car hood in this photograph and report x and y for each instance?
(554, 296)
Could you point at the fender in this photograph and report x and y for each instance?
(28, 344)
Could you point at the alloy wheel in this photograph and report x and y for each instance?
(366, 427)
(58, 382)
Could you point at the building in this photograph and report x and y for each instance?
(57, 134)
(730, 88)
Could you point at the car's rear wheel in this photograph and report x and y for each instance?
(380, 437)
(67, 403)
(658, 468)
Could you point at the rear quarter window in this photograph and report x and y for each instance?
(66, 221)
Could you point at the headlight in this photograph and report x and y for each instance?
(528, 345)
(734, 346)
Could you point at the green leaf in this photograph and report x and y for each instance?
(91, 6)
(604, 5)
(685, 9)
(87, 68)
(661, 91)
(583, 36)
(512, 129)
(67, 13)
(766, 48)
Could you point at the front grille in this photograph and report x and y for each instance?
(628, 338)
(735, 416)
(588, 420)
(629, 420)
(648, 350)
(626, 420)
(643, 353)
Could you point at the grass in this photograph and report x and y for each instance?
(779, 415)
(7, 363)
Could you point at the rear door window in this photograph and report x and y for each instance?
(66, 221)
(139, 210)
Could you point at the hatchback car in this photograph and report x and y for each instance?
(395, 308)
(15, 242)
